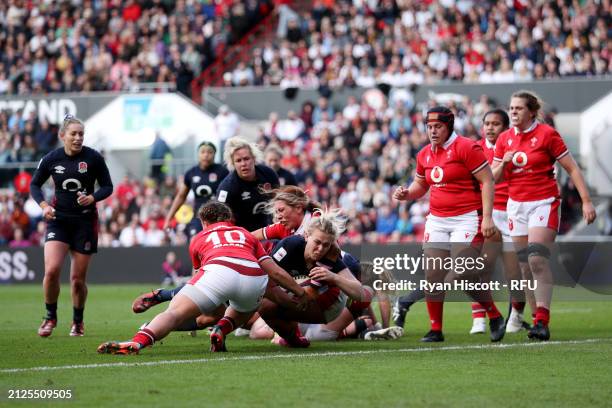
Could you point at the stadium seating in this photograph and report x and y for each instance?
(414, 42)
(110, 45)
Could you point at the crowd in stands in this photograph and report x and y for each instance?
(408, 42)
(111, 45)
(24, 139)
(362, 149)
(115, 45)
(350, 156)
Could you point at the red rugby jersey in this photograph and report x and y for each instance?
(501, 189)
(531, 175)
(449, 171)
(279, 231)
(224, 243)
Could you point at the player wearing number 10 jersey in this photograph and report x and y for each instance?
(231, 266)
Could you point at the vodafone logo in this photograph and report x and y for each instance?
(437, 174)
(519, 159)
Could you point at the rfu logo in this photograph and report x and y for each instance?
(519, 159)
(246, 195)
(82, 167)
(437, 174)
(59, 169)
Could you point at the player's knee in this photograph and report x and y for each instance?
(52, 273)
(538, 258)
(53, 269)
(536, 249)
(78, 282)
(522, 255)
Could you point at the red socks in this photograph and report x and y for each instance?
(485, 308)
(435, 310)
(226, 324)
(491, 309)
(478, 311)
(542, 315)
(144, 337)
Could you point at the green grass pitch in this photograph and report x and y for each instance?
(572, 370)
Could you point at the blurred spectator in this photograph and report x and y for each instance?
(172, 270)
(288, 130)
(19, 218)
(272, 158)
(153, 236)
(159, 152)
(227, 125)
(386, 221)
(132, 234)
(19, 240)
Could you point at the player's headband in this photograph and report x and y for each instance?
(446, 118)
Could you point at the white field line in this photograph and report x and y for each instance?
(289, 355)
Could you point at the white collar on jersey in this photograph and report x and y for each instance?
(302, 228)
(450, 141)
(489, 144)
(517, 131)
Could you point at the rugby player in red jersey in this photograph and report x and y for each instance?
(454, 168)
(525, 156)
(494, 123)
(231, 266)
